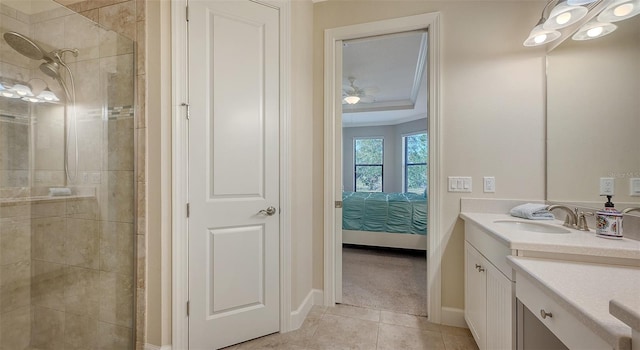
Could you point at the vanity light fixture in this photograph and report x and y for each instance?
(5, 92)
(580, 2)
(564, 15)
(24, 91)
(619, 10)
(48, 96)
(539, 35)
(593, 30)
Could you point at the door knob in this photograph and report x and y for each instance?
(268, 212)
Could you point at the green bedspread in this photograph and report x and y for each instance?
(384, 212)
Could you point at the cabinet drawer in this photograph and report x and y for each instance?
(490, 247)
(563, 324)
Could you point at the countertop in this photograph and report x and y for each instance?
(575, 242)
(579, 287)
(627, 310)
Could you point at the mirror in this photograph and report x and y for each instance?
(593, 117)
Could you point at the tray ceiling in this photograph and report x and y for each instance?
(393, 66)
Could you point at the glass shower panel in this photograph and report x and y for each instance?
(66, 181)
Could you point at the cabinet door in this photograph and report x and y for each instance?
(500, 300)
(475, 294)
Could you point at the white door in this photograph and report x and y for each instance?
(233, 172)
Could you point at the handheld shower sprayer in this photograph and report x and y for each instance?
(53, 60)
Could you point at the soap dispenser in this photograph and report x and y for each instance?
(609, 221)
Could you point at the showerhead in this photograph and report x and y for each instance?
(25, 46)
(51, 69)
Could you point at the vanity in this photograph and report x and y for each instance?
(540, 285)
(519, 272)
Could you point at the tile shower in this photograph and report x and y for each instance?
(67, 262)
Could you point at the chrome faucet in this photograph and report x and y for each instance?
(571, 219)
(630, 209)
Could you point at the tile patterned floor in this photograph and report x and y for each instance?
(354, 328)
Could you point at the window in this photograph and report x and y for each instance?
(415, 162)
(368, 159)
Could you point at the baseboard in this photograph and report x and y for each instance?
(453, 317)
(315, 297)
(156, 347)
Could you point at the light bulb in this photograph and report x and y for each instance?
(539, 39)
(623, 10)
(48, 96)
(594, 29)
(594, 32)
(563, 18)
(22, 90)
(31, 99)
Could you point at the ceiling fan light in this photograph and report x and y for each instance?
(564, 15)
(352, 99)
(619, 10)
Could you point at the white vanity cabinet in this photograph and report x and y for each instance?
(489, 291)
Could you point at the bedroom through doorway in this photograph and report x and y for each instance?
(384, 173)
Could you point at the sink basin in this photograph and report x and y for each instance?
(531, 226)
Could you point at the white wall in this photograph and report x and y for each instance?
(492, 107)
(158, 175)
(392, 134)
(302, 148)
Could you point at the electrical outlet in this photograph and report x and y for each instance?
(489, 184)
(607, 186)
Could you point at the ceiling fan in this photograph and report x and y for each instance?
(352, 94)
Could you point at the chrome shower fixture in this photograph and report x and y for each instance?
(51, 67)
(52, 60)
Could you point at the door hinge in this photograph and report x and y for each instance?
(187, 13)
(338, 204)
(188, 109)
(188, 209)
(187, 308)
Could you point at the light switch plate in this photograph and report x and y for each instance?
(607, 186)
(634, 187)
(489, 183)
(460, 184)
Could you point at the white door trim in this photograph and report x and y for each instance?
(180, 137)
(332, 89)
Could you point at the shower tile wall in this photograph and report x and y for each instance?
(127, 17)
(66, 265)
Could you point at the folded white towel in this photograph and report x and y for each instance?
(59, 191)
(532, 211)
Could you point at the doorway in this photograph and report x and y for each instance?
(333, 149)
(384, 172)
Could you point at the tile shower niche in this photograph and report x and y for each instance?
(66, 262)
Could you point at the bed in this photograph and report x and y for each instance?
(396, 220)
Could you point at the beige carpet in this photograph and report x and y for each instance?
(393, 280)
